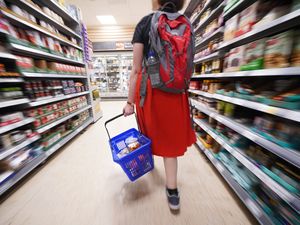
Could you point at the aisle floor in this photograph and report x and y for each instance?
(81, 185)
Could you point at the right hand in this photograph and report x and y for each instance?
(128, 110)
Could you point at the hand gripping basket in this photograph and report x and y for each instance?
(136, 163)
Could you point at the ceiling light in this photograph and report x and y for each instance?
(107, 20)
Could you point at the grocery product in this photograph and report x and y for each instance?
(295, 59)
(11, 92)
(247, 19)
(278, 50)
(231, 27)
(235, 59)
(254, 55)
(11, 118)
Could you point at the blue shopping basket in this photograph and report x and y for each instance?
(136, 163)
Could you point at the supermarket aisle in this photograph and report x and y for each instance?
(81, 185)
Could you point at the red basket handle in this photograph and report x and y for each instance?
(116, 117)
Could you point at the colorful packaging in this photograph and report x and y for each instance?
(254, 55)
(278, 50)
(235, 59)
(295, 60)
(231, 27)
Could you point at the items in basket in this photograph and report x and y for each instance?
(131, 144)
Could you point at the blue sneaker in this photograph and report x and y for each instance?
(173, 201)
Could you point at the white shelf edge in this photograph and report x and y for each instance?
(16, 125)
(49, 75)
(23, 172)
(44, 31)
(212, 56)
(289, 71)
(43, 102)
(6, 55)
(215, 33)
(57, 24)
(253, 207)
(15, 102)
(288, 155)
(293, 115)
(273, 185)
(68, 138)
(14, 149)
(43, 54)
(261, 29)
(11, 80)
(55, 123)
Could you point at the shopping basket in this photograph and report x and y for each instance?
(136, 163)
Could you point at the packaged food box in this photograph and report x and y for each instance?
(231, 27)
(295, 60)
(254, 55)
(278, 50)
(235, 59)
(248, 18)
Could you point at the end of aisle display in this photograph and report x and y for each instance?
(246, 99)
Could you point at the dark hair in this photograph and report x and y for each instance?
(178, 3)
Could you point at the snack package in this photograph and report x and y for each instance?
(231, 27)
(295, 60)
(248, 18)
(254, 55)
(278, 50)
(235, 59)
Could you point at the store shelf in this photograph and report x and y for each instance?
(4, 104)
(210, 57)
(68, 138)
(12, 150)
(55, 123)
(288, 155)
(5, 55)
(254, 208)
(56, 99)
(211, 37)
(206, 6)
(237, 8)
(213, 15)
(290, 71)
(50, 75)
(11, 80)
(191, 7)
(22, 173)
(60, 10)
(293, 115)
(38, 53)
(114, 94)
(23, 21)
(16, 125)
(40, 14)
(284, 194)
(279, 25)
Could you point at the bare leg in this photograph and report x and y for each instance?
(171, 172)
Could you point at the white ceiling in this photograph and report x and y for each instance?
(126, 12)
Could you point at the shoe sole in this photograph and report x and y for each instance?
(174, 207)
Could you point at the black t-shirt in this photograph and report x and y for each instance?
(142, 29)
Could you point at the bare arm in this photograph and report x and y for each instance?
(138, 49)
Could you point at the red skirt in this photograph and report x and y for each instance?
(165, 119)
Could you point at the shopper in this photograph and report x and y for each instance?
(164, 117)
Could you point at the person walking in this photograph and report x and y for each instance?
(163, 116)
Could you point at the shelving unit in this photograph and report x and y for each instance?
(288, 156)
(253, 207)
(72, 28)
(281, 72)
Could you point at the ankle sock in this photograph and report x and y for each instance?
(172, 191)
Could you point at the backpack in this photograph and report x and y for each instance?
(172, 42)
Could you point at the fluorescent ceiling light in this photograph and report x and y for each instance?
(107, 20)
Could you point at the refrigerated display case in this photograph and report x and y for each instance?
(111, 72)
